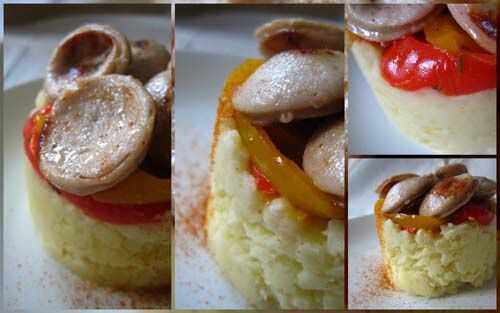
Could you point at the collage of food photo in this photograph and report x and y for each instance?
(264, 155)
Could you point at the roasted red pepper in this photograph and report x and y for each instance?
(32, 133)
(118, 213)
(411, 64)
(410, 229)
(474, 211)
(263, 184)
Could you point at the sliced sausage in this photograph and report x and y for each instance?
(293, 33)
(450, 170)
(148, 59)
(404, 193)
(89, 51)
(387, 184)
(324, 156)
(479, 21)
(486, 188)
(385, 22)
(448, 195)
(160, 88)
(98, 133)
(294, 85)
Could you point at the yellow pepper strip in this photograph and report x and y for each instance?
(286, 176)
(443, 32)
(139, 188)
(328, 206)
(417, 221)
(39, 121)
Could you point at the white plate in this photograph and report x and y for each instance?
(32, 279)
(199, 80)
(369, 130)
(365, 284)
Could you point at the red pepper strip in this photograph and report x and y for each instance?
(410, 229)
(130, 214)
(410, 64)
(263, 184)
(32, 133)
(474, 211)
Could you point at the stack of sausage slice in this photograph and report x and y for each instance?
(302, 81)
(110, 109)
(386, 22)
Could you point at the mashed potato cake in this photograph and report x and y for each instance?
(446, 124)
(437, 230)
(434, 265)
(272, 257)
(276, 255)
(121, 256)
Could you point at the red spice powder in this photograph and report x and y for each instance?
(79, 294)
(194, 219)
(86, 295)
(191, 188)
(375, 282)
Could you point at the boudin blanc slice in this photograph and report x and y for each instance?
(293, 85)
(98, 133)
(385, 22)
(387, 184)
(449, 170)
(160, 88)
(486, 188)
(404, 193)
(448, 195)
(294, 33)
(148, 59)
(89, 51)
(324, 157)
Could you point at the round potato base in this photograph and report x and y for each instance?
(273, 259)
(431, 264)
(445, 124)
(119, 256)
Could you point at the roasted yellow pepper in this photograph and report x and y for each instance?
(286, 176)
(443, 32)
(139, 188)
(417, 221)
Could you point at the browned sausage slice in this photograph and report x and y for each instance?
(449, 170)
(385, 22)
(324, 157)
(89, 51)
(486, 189)
(448, 195)
(405, 192)
(148, 59)
(293, 33)
(160, 88)
(294, 85)
(387, 184)
(98, 133)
